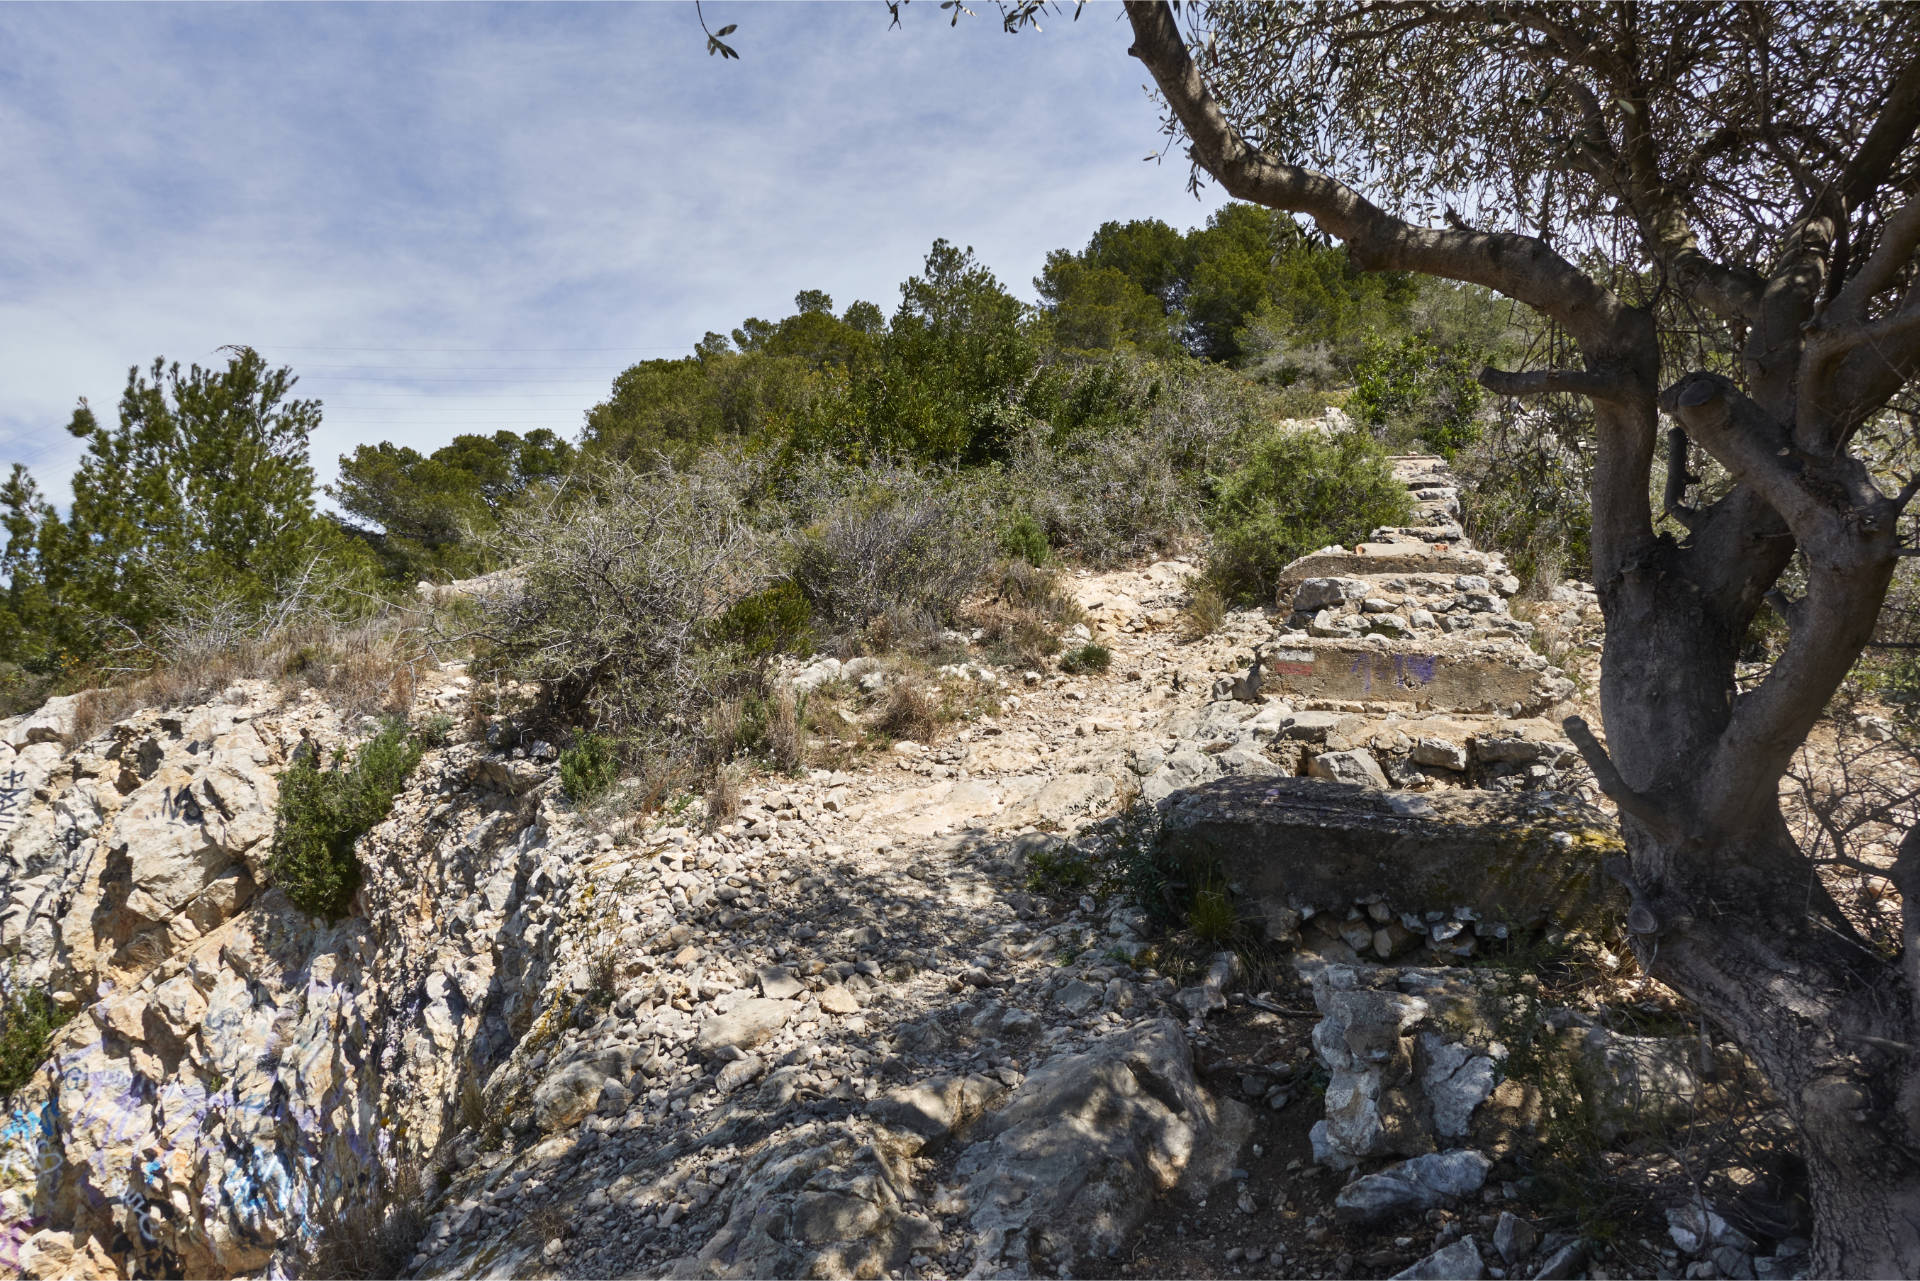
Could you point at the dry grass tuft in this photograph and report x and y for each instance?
(723, 796)
(375, 1234)
(365, 668)
(1204, 613)
(786, 738)
(909, 712)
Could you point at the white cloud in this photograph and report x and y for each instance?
(454, 218)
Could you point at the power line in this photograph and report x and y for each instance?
(442, 350)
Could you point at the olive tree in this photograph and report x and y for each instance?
(1714, 206)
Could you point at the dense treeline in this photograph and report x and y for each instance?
(1104, 423)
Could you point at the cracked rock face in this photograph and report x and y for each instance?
(234, 1070)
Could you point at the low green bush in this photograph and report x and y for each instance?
(589, 768)
(1062, 873)
(28, 1020)
(778, 620)
(1086, 659)
(1024, 539)
(1296, 492)
(1413, 391)
(1523, 492)
(323, 813)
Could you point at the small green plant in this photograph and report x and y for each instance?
(323, 813)
(1087, 659)
(1414, 391)
(1061, 872)
(778, 620)
(1023, 539)
(1296, 492)
(1211, 916)
(589, 768)
(28, 1020)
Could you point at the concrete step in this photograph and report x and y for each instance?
(1433, 674)
(1299, 846)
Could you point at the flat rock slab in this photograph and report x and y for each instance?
(1413, 1187)
(745, 1025)
(1429, 672)
(1524, 859)
(1382, 558)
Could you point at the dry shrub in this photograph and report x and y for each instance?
(786, 738)
(615, 601)
(365, 667)
(723, 796)
(910, 712)
(887, 547)
(1204, 613)
(374, 1234)
(722, 732)
(1139, 487)
(1021, 621)
(1039, 592)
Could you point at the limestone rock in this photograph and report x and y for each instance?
(1067, 1169)
(745, 1026)
(52, 723)
(1412, 1187)
(1514, 1237)
(1460, 1261)
(567, 1095)
(1354, 766)
(1508, 857)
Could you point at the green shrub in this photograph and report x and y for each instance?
(1296, 492)
(589, 768)
(324, 812)
(1211, 915)
(1414, 391)
(28, 1021)
(778, 620)
(1523, 492)
(1024, 539)
(1060, 873)
(1086, 659)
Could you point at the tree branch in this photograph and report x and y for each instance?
(1540, 382)
(1524, 268)
(1899, 234)
(1890, 134)
(1674, 501)
(1614, 787)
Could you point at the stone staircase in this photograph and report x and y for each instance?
(1428, 794)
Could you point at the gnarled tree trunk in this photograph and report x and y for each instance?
(1725, 907)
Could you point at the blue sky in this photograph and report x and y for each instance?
(459, 217)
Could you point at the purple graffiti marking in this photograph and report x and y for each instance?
(1364, 670)
(1419, 666)
(12, 784)
(13, 1235)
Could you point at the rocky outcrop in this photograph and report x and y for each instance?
(235, 1072)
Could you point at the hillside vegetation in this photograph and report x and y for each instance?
(836, 479)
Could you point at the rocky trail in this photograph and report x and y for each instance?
(871, 1025)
